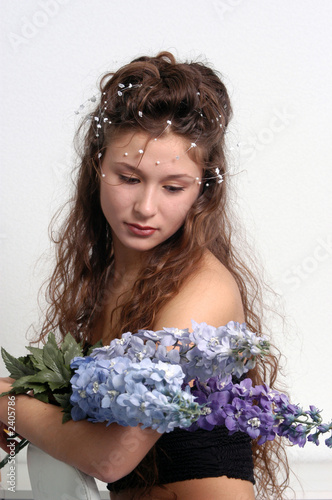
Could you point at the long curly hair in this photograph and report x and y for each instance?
(145, 95)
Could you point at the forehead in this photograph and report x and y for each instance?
(169, 152)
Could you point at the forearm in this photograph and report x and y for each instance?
(107, 453)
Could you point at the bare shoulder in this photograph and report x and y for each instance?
(210, 294)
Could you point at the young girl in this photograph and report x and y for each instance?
(147, 244)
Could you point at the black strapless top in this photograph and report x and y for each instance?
(181, 455)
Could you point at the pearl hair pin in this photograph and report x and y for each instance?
(122, 89)
(219, 176)
(192, 145)
(100, 120)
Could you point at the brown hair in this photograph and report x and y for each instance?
(142, 96)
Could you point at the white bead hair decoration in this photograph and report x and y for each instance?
(99, 120)
(192, 145)
(219, 176)
(82, 106)
(122, 88)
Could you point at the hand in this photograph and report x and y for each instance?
(6, 384)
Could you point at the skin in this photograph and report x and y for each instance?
(142, 195)
(137, 191)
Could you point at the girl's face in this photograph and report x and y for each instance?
(145, 202)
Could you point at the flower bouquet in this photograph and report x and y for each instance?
(166, 379)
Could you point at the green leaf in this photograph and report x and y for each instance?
(17, 367)
(37, 357)
(28, 384)
(53, 379)
(63, 399)
(66, 417)
(51, 354)
(70, 349)
(42, 397)
(18, 390)
(6, 393)
(53, 359)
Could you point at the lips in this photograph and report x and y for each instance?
(139, 230)
(142, 227)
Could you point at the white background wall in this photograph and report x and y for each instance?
(276, 60)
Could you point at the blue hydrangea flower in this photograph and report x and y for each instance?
(144, 379)
(117, 347)
(139, 350)
(172, 336)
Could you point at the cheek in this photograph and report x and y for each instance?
(112, 201)
(178, 212)
(105, 201)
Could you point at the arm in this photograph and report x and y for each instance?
(110, 453)
(107, 453)
(211, 295)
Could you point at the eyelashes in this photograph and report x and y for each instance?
(174, 189)
(128, 179)
(131, 180)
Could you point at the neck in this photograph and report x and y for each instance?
(127, 263)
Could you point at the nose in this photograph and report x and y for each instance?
(146, 203)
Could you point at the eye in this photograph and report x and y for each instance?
(174, 189)
(129, 179)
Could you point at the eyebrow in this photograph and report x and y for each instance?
(167, 177)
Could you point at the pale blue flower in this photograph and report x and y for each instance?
(117, 347)
(173, 336)
(150, 335)
(143, 379)
(139, 349)
(168, 356)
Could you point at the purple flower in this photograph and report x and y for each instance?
(267, 427)
(314, 414)
(265, 396)
(249, 421)
(328, 442)
(243, 389)
(324, 427)
(296, 435)
(314, 438)
(138, 380)
(232, 414)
